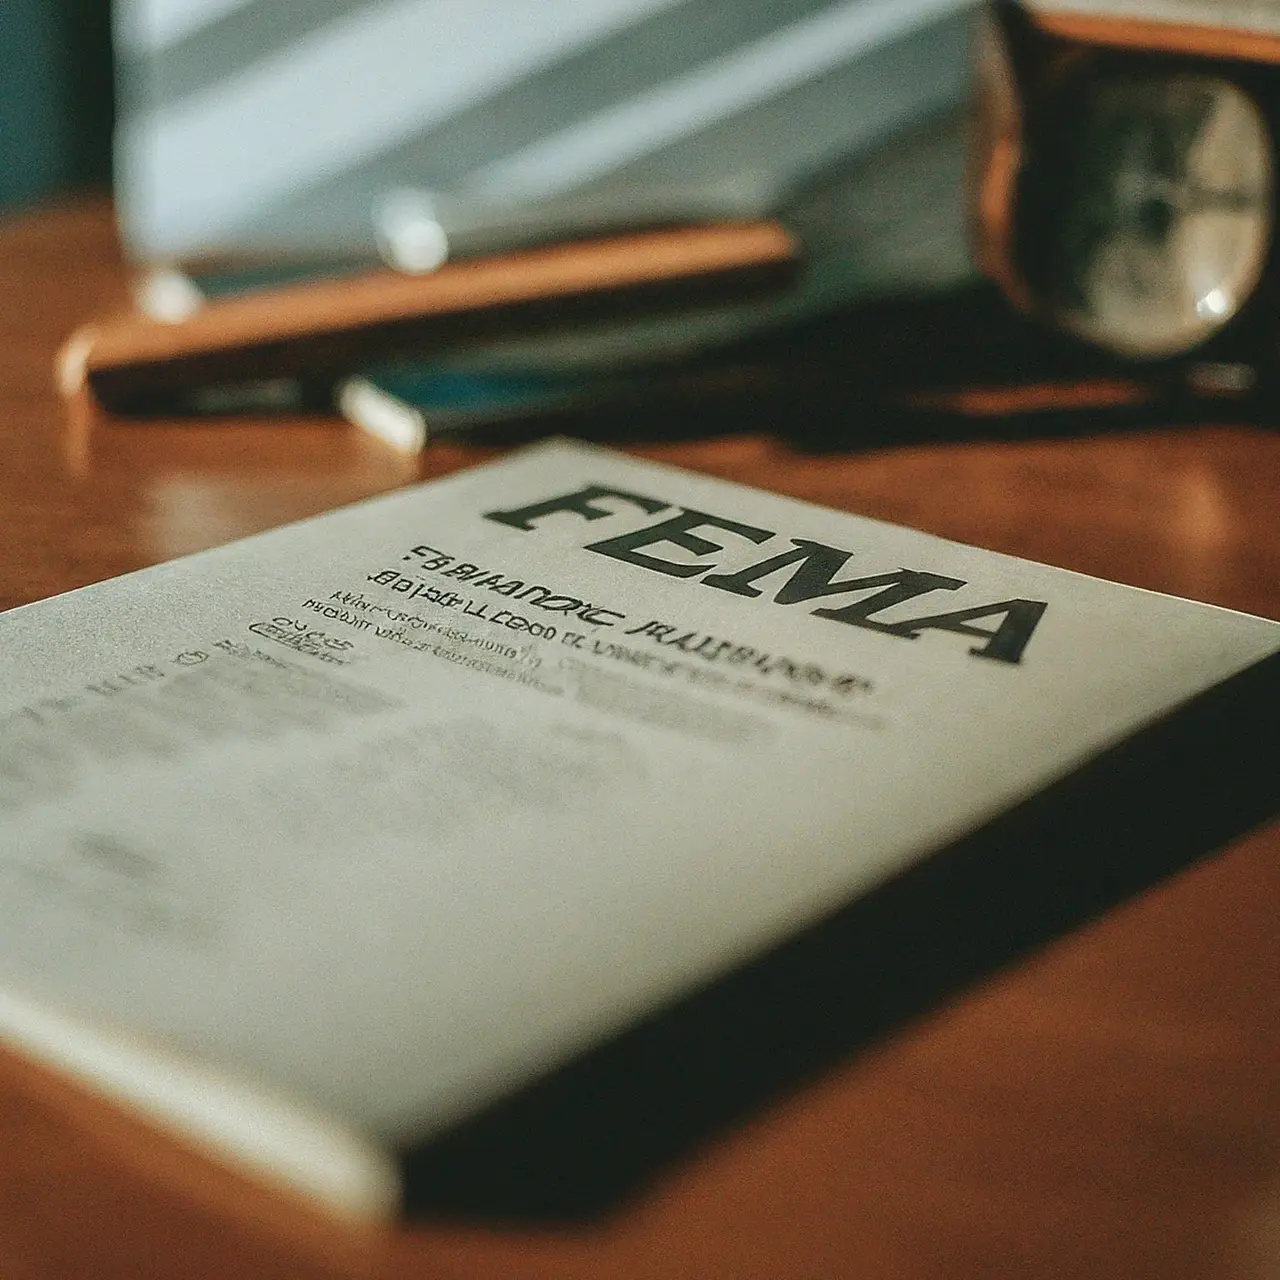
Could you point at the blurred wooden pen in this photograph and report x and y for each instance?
(323, 329)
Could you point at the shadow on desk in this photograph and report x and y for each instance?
(907, 370)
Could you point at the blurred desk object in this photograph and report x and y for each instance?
(1111, 1108)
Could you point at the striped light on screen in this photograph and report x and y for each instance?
(261, 125)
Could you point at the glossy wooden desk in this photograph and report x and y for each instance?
(1111, 1109)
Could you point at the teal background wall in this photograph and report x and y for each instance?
(56, 108)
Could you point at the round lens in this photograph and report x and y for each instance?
(1147, 219)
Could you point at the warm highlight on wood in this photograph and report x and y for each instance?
(1170, 37)
(1109, 1109)
(335, 325)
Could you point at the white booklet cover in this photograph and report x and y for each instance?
(314, 843)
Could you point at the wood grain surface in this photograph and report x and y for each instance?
(1196, 40)
(1110, 1109)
